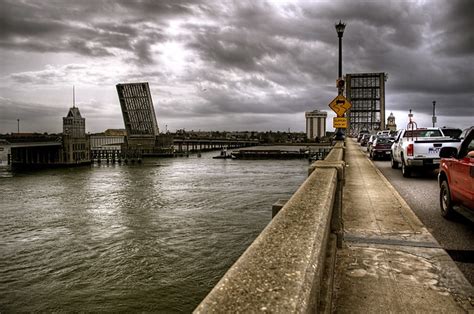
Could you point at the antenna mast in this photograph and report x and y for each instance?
(73, 97)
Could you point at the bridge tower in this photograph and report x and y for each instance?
(76, 146)
(139, 117)
(366, 92)
(391, 125)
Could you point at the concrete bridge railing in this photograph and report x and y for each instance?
(289, 267)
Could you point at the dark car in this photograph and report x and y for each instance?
(456, 177)
(381, 147)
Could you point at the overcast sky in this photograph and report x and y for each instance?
(230, 65)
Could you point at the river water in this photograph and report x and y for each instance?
(151, 237)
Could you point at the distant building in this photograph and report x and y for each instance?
(76, 147)
(315, 123)
(391, 122)
(366, 92)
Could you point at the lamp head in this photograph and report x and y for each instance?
(340, 28)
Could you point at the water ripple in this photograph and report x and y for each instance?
(151, 237)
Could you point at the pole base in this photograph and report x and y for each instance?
(339, 136)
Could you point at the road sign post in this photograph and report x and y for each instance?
(340, 105)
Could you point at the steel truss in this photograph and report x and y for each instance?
(366, 92)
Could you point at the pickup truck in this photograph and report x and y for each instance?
(419, 148)
(456, 177)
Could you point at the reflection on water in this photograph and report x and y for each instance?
(150, 237)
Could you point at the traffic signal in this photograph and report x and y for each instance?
(340, 83)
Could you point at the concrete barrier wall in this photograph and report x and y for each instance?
(282, 270)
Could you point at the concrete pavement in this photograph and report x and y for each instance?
(389, 261)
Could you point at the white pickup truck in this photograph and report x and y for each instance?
(419, 148)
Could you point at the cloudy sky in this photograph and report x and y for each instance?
(230, 65)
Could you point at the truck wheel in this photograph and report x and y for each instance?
(393, 162)
(406, 171)
(445, 201)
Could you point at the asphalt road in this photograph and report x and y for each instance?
(421, 192)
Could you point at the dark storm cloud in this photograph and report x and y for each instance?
(425, 49)
(254, 38)
(156, 8)
(390, 22)
(84, 74)
(87, 28)
(11, 108)
(32, 114)
(218, 101)
(454, 35)
(254, 57)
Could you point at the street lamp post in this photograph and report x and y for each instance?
(340, 83)
(434, 116)
(340, 31)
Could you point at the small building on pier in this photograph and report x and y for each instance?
(30, 150)
(76, 143)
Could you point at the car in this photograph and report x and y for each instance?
(456, 177)
(381, 147)
(419, 148)
(370, 141)
(361, 133)
(464, 133)
(364, 139)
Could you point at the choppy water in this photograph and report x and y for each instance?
(151, 237)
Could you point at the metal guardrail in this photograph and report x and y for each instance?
(285, 270)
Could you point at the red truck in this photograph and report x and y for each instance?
(456, 177)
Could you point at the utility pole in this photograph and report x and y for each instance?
(18, 125)
(434, 116)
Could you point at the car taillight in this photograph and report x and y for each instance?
(410, 150)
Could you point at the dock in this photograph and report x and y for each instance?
(282, 152)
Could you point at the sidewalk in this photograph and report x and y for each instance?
(389, 262)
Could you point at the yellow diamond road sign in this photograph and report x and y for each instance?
(339, 123)
(340, 105)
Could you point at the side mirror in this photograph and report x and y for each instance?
(448, 152)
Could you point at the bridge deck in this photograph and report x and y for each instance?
(389, 261)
